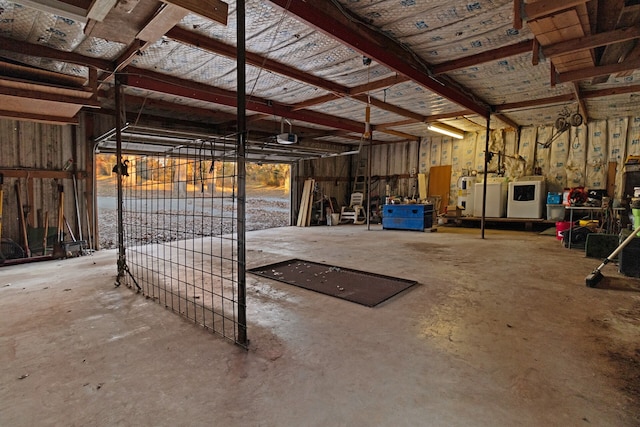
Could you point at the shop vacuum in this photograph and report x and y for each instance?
(596, 276)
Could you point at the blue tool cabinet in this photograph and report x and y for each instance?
(407, 217)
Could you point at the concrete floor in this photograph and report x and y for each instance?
(499, 332)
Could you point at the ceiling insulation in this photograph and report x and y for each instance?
(412, 61)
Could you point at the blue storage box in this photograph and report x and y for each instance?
(407, 217)
(554, 198)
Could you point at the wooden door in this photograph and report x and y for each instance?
(440, 184)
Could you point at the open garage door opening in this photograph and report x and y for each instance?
(181, 218)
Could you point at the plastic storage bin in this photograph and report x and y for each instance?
(554, 198)
(555, 212)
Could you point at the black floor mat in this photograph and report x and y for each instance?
(352, 285)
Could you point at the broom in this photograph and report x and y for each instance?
(596, 276)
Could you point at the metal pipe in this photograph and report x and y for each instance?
(369, 166)
(486, 167)
(121, 251)
(242, 138)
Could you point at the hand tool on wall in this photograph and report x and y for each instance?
(23, 222)
(66, 222)
(46, 233)
(75, 197)
(60, 213)
(1, 199)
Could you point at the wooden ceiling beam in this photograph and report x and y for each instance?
(542, 8)
(378, 84)
(517, 14)
(582, 107)
(506, 120)
(444, 116)
(170, 85)
(17, 46)
(399, 134)
(614, 14)
(145, 104)
(389, 107)
(129, 55)
(42, 118)
(425, 119)
(215, 10)
(590, 42)
(329, 18)
(43, 95)
(164, 19)
(24, 72)
(315, 101)
(612, 91)
(534, 103)
(162, 83)
(99, 9)
(602, 70)
(591, 94)
(481, 58)
(395, 124)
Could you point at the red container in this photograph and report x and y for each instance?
(560, 227)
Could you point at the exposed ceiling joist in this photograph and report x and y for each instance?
(378, 84)
(40, 93)
(187, 89)
(582, 107)
(315, 101)
(394, 124)
(326, 17)
(63, 8)
(560, 99)
(602, 70)
(99, 9)
(215, 10)
(610, 91)
(17, 46)
(41, 118)
(165, 19)
(616, 15)
(542, 8)
(26, 73)
(590, 42)
(388, 107)
(147, 105)
(481, 58)
(403, 135)
(506, 120)
(129, 55)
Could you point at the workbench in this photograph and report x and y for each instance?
(591, 210)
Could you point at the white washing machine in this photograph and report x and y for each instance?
(496, 199)
(526, 199)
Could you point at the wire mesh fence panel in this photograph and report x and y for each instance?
(180, 224)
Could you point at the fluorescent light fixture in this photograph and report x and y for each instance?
(446, 130)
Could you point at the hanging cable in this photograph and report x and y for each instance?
(367, 114)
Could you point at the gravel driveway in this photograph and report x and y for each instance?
(266, 207)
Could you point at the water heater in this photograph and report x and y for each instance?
(465, 194)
